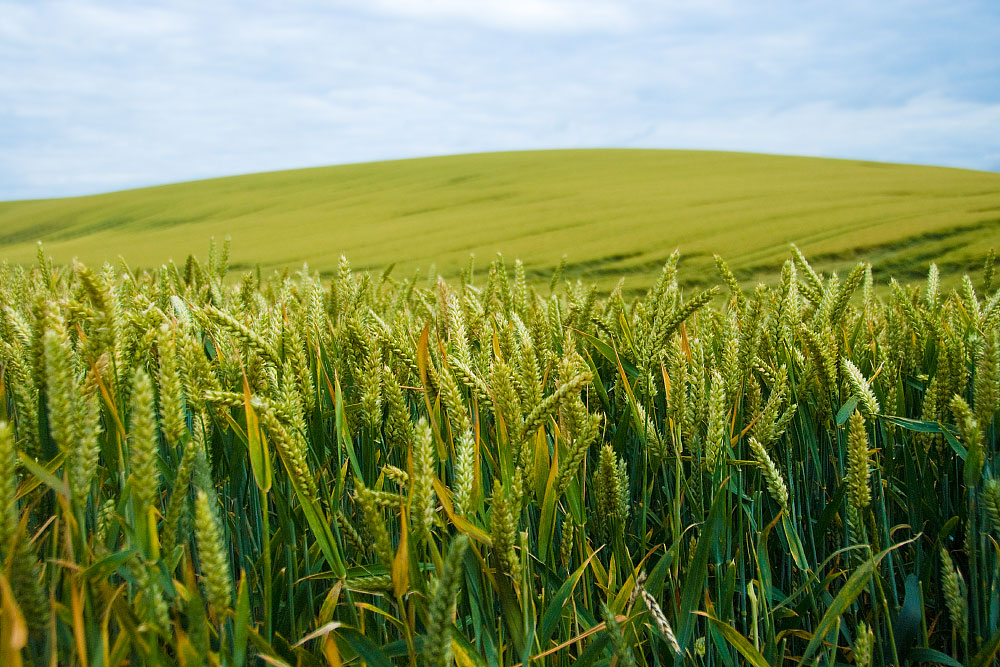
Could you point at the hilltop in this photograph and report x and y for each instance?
(612, 212)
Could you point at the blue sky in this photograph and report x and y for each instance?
(97, 96)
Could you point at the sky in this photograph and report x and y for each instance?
(99, 96)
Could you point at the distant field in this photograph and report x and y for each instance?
(612, 212)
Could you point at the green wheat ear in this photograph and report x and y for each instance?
(148, 599)
(953, 585)
(504, 521)
(85, 456)
(861, 389)
(178, 508)
(617, 636)
(8, 485)
(465, 473)
(143, 446)
(375, 525)
(213, 554)
(61, 385)
(991, 503)
(422, 498)
(858, 462)
(612, 490)
(864, 642)
(986, 384)
(170, 391)
(775, 483)
(437, 646)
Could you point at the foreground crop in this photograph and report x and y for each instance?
(490, 473)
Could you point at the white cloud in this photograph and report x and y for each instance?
(125, 22)
(533, 15)
(925, 129)
(97, 96)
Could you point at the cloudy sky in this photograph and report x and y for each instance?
(96, 96)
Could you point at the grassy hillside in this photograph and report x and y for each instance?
(612, 212)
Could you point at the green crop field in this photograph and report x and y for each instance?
(612, 212)
(201, 466)
(356, 471)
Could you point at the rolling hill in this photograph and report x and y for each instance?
(611, 212)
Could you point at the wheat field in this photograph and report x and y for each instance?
(613, 213)
(202, 467)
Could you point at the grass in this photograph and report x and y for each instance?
(364, 471)
(612, 212)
